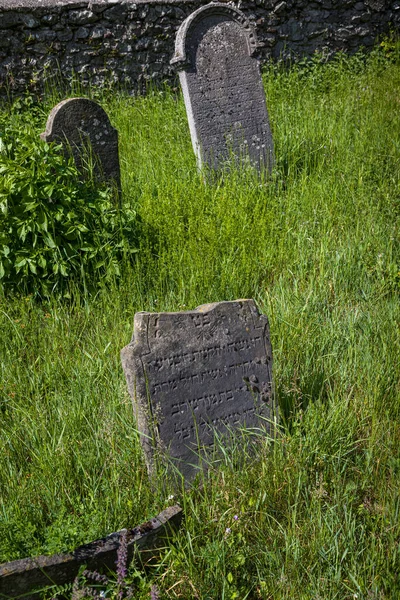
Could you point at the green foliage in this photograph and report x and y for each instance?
(54, 228)
(390, 46)
(317, 246)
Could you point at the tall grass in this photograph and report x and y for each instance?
(317, 246)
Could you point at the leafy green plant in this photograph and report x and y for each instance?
(54, 228)
(390, 45)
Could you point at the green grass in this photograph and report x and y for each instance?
(317, 246)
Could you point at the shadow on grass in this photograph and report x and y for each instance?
(296, 399)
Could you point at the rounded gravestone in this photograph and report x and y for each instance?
(83, 127)
(215, 53)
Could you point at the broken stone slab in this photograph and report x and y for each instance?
(84, 129)
(30, 575)
(215, 54)
(197, 375)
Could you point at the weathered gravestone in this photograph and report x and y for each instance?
(28, 577)
(224, 96)
(196, 373)
(83, 127)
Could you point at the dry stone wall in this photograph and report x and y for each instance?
(131, 42)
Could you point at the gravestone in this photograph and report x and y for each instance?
(83, 126)
(215, 53)
(20, 578)
(195, 374)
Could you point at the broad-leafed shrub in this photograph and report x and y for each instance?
(54, 227)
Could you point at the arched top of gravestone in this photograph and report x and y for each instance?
(80, 123)
(216, 10)
(74, 114)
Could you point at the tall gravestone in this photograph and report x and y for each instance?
(83, 126)
(215, 53)
(195, 374)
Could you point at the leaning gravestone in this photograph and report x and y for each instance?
(195, 374)
(215, 52)
(82, 126)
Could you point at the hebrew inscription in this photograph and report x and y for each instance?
(224, 96)
(82, 125)
(197, 373)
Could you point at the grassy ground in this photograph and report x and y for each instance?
(315, 515)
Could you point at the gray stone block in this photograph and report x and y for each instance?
(196, 374)
(50, 19)
(65, 35)
(83, 17)
(82, 33)
(29, 21)
(45, 35)
(377, 5)
(10, 19)
(116, 13)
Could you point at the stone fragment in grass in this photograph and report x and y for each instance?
(215, 54)
(26, 577)
(84, 129)
(196, 376)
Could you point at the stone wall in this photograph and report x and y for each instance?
(130, 42)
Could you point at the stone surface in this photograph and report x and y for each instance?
(191, 374)
(23, 577)
(143, 36)
(224, 96)
(49, 3)
(81, 125)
